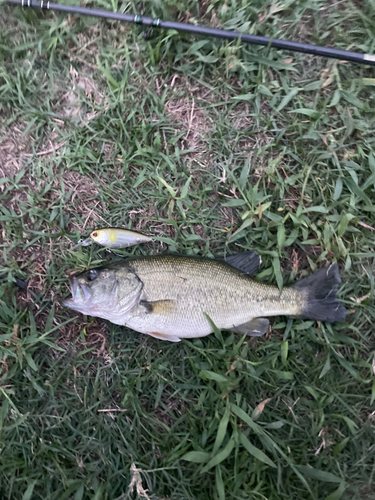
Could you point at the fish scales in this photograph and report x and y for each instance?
(197, 286)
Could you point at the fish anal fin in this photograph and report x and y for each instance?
(164, 336)
(160, 307)
(246, 262)
(254, 328)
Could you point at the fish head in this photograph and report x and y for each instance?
(108, 293)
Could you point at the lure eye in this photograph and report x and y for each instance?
(95, 235)
(91, 275)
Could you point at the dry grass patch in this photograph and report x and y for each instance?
(192, 119)
(15, 147)
(34, 260)
(95, 333)
(240, 118)
(70, 103)
(188, 115)
(83, 200)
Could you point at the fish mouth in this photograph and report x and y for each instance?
(80, 294)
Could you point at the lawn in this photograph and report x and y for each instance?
(213, 148)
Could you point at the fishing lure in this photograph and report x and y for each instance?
(113, 237)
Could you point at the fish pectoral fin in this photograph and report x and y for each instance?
(164, 336)
(160, 307)
(254, 328)
(246, 262)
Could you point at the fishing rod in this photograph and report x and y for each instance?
(316, 50)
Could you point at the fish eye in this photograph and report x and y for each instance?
(92, 274)
(95, 234)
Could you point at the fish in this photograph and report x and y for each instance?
(174, 297)
(113, 237)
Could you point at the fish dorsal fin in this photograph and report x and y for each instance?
(164, 336)
(160, 307)
(246, 262)
(254, 328)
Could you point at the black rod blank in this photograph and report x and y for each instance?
(316, 50)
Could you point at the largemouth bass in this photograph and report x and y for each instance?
(169, 297)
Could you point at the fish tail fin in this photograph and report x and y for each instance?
(320, 288)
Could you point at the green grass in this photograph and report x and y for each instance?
(213, 148)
